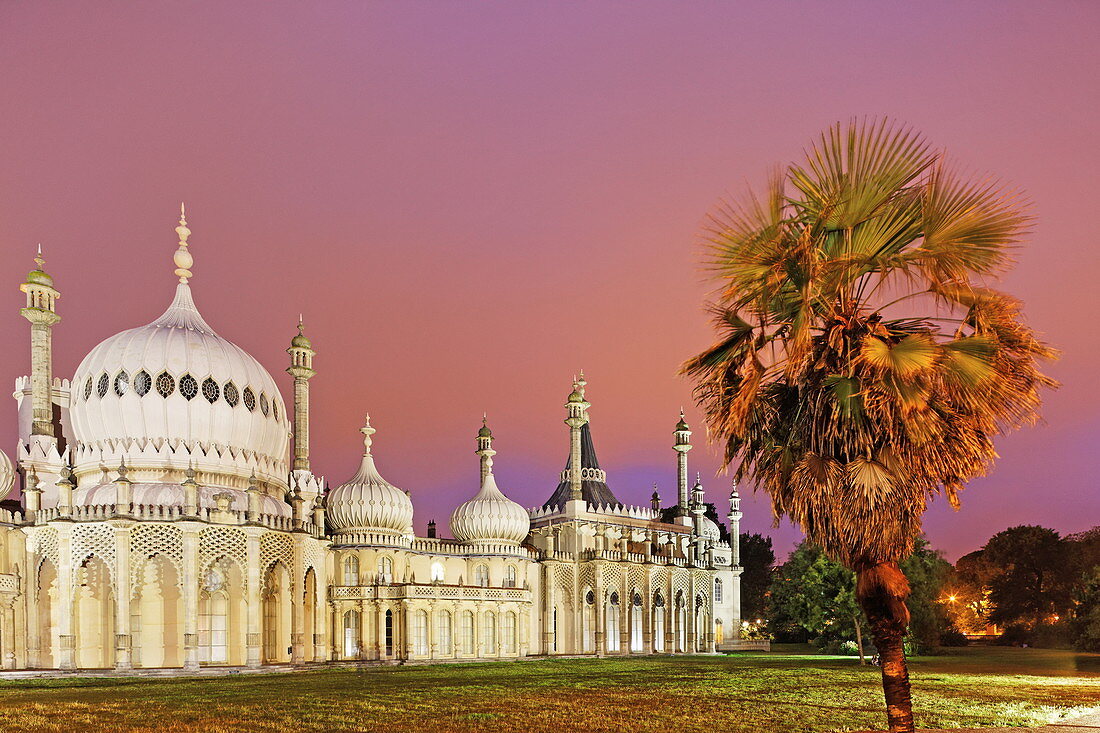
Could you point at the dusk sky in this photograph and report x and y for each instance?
(471, 201)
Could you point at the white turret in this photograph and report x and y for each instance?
(490, 518)
(368, 504)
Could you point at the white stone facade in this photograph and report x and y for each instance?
(168, 518)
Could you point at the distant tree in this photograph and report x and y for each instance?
(819, 595)
(927, 572)
(966, 593)
(1086, 625)
(1033, 577)
(757, 559)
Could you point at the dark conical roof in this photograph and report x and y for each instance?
(593, 492)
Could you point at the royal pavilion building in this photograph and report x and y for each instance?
(167, 516)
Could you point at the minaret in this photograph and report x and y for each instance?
(697, 506)
(682, 446)
(485, 448)
(41, 297)
(577, 408)
(301, 368)
(734, 518)
(655, 499)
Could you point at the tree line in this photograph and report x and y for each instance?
(1026, 585)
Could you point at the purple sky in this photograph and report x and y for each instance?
(470, 201)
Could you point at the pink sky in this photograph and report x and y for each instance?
(470, 201)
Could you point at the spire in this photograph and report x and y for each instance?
(183, 259)
(682, 444)
(301, 369)
(367, 432)
(41, 313)
(485, 448)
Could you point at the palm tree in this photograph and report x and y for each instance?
(863, 364)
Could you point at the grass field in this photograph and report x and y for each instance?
(753, 693)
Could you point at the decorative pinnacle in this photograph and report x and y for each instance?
(122, 470)
(183, 259)
(367, 431)
(39, 259)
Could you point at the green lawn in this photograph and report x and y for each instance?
(766, 693)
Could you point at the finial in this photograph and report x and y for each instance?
(32, 479)
(190, 472)
(301, 324)
(39, 259)
(183, 258)
(367, 431)
(252, 481)
(122, 470)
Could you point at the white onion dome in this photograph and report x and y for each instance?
(7, 474)
(490, 517)
(174, 393)
(368, 504)
(710, 530)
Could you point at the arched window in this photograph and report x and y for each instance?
(142, 383)
(214, 618)
(636, 623)
(420, 633)
(122, 383)
(385, 569)
(389, 633)
(443, 633)
(189, 387)
(658, 623)
(510, 576)
(613, 623)
(468, 633)
(439, 573)
(508, 633)
(232, 396)
(481, 575)
(489, 633)
(351, 635)
(717, 590)
(165, 384)
(351, 570)
(588, 623)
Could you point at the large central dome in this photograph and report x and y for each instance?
(173, 393)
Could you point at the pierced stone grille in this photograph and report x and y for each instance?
(249, 399)
(147, 540)
(122, 383)
(210, 390)
(232, 396)
(165, 384)
(88, 388)
(93, 539)
(189, 387)
(44, 543)
(275, 546)
(275, 409)
(611, 576)
(563, 576)
(142, 383)
(104, 384)
(217, 542)
(264, 407)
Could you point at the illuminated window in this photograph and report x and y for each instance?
(88, 388)
(122, 383)
(104, 384)
(249, 399)
(232, 396)
(210, 390)
(165, 384)
(142, 383)
(438, 572)
(481, 575)
(189, 387)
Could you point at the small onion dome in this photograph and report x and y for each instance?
(368, 503)
(710, 530)
(300, 341)
(484, 432)
(680, 426)
(38, 277)
(490, 518)
(7, 474)
(576, 396)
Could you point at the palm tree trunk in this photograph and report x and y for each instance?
(882, 589)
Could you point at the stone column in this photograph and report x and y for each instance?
(297, 604)
(549, 604)
(301, 369)
(7, 631)
(190, 582)
(65, 585)
(254, 639)
(41, 297)
(123, 640)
